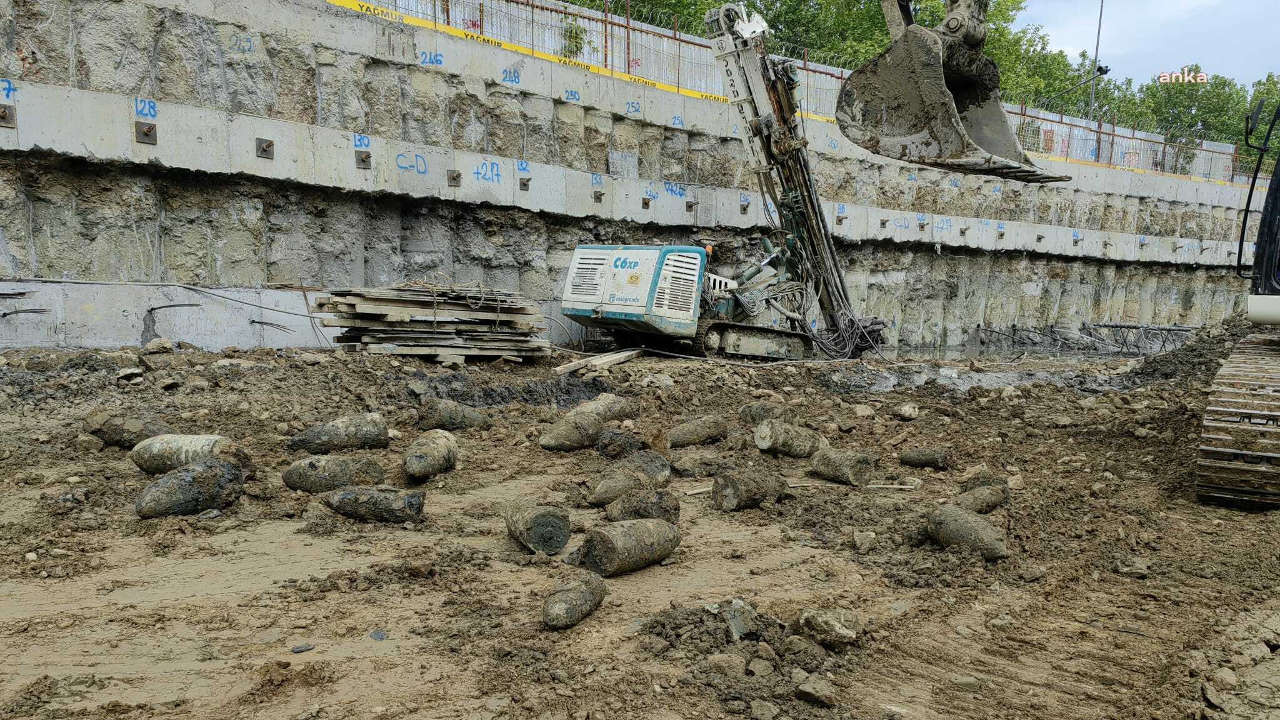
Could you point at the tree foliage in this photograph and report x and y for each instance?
(848, 33)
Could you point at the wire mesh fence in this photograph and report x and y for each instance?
(1074, 138)
(609, 35)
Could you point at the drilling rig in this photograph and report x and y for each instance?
(789, 304)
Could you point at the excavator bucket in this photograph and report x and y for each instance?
(933, 98)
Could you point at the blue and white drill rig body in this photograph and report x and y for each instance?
(659, 293)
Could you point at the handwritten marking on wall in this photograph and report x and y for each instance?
(488, 171)
(145, 108)
(412, 163)
(241, 43)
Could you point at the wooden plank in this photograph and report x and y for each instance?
(398, 314)
(403, 305)
(617, 358)
(431, 320)
(575, 364)
(343, 322)
(389, 349)
(427, 314)
(456, 346)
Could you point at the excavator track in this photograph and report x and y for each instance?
(721, 338)
(1240, 440)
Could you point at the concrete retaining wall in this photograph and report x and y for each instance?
(104, 315)
(605, 160)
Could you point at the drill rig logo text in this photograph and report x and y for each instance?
(625, 264)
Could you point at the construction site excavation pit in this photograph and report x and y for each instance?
(457, 361)
(1116, 590)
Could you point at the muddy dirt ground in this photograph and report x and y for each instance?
(1124, 597)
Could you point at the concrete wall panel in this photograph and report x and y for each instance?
(485, 178)
(53, 118)
(545, 187)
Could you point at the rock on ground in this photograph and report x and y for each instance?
(209, 484)
(950, 525)
(572, 602)
(818, 690)
(350, 432)
(639, 503)
(642, 470)
(322, 473)
(163, 453)
(434, 452)
(438, 413)
(377, 503)
(615, 444)
(122, 431)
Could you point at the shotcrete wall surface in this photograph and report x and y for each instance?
(246, 145)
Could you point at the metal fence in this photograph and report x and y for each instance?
(1074, 138)
(615, 40)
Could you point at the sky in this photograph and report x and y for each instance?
(1143, 38)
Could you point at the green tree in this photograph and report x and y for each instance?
(849, 33)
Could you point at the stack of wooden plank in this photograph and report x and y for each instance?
(450, 323)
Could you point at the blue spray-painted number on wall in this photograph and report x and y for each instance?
(489, 171)
(942, 224)
(511, 76)
(522, 166)
(572, 96)
(650, 193)
(8, 88)
(831, 143)
(430, 58)
(677, 121)
(144, 108)
(415, 163)
(242, 43)
(674, 189)
(840, 209)
(633, 107)
(362, 141)
(597, 180)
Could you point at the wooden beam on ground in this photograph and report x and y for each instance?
(598, 362)
(606, 361)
